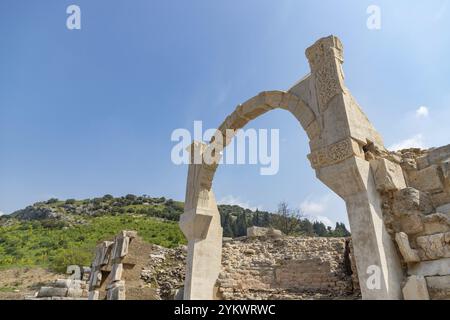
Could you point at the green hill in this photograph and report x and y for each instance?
(58, 233)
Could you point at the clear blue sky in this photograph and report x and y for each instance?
(89, 112)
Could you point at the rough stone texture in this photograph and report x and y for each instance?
(409, 254)
(107, 280)
(439, 287)
(436, 223)
(116, 290)
(415, 288)
(165, 270)
(288, 267)
(262, 232)
(428, 179)
(444, 209)
(52, 292)
(434, 246)
(410, 200)
(439, 267)
(325, 264)
(388, 175)
(67, 289)
(418, 215)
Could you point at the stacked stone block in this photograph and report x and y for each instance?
(107, 267)
(284, 267)
(415, 186)
(62, 289)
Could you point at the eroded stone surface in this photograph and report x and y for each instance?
(415, 288)
(409, 254)
(388, 175)
(434, 246)
(431, 268)
(439, 287)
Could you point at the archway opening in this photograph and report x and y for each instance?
(260, 263)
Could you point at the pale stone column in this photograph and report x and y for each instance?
(200, 223)
(376, 257)
(338, 156)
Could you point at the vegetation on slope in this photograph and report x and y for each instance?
(35, 243)
(58, 233)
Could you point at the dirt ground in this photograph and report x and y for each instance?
(17, 283)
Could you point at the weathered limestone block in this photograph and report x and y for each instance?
(409, 254)
(263, 232)
(444, 208)
(439, 287)
(116, 273)
(255, 107)
(428, 179)
(116, 291)
(435, 223)
(430, 268)
(412, 223)
(95, 280)
(86, 273)
(441, 198)
(75, 293)
(196, 226)
(408, 207)
(388, 175)
(120, 247)
(128, 233)
(52, 292)
(93, 295)
(439, 155)
(410, 200)
(102, 254)
(70, 284)
(302, 112)
(62, 283)
(434, 246)
(273, 98)
(415, 288)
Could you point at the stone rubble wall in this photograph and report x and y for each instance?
(266, 265)
(285, 268)
(415, 187)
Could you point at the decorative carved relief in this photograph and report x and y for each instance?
(333, 154)
(325, 58)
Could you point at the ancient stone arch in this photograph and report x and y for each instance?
(340, 139)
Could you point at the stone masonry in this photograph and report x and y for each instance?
(415, 188)
(266, 265)
(285, 268)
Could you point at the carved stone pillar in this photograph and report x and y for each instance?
(337, 155)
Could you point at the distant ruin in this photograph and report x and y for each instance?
(398, 203)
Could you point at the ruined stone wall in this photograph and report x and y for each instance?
(415, 188)
(116, 269)
(266, 265)
(285, 268)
